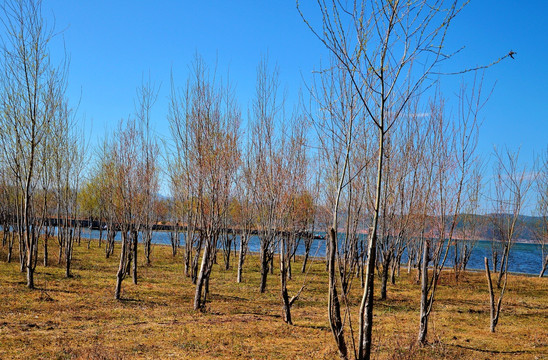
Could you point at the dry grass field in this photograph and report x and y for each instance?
(78, 318)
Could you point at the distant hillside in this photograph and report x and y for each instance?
(524, 232)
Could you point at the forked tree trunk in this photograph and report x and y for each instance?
(494, 308)
(30, 266)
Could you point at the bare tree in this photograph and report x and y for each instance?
(205, 127)
(511, 185)
(292, 183)
(67, 162)
(32, 88)
(378, 44)
(452, 156)
(147, 94)
(182, 182)
(126, 171)
(242, 212)
(266, 158)
(8, 211)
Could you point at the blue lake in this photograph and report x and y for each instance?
(524, 258)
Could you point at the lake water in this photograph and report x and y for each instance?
(524, 258)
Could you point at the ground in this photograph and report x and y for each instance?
(78, 317)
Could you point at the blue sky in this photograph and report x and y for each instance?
(113, 44)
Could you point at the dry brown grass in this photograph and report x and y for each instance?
(78, 318)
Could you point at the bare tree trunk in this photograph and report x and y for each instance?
(307, 244)
(46, 237)
(384, 273)
(366, 307)
(384, 281)
(493, 314)
(194, 269)
(264, 266)
(334, 306)
(122, 267)
(68, 253)
(283, 280)
(199, 303)
(135, 236)
(244, 239)
(544, 266)
(10, 245)
(423, 327)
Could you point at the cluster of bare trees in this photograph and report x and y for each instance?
(205, 121)
(127, 183)
(222, 193)
(42, 155)
(392, 174)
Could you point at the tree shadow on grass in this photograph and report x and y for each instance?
(508, 352)
(130, 301)
(49, 290)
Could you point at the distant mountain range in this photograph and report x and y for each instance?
(525, 227)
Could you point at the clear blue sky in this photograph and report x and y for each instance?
(112, 44)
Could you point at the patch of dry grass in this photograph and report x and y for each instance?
(78, 318)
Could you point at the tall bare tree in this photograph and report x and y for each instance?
(511, 185)
(293, 182)
(205, 125)
(32, 89)
(379, 44)
(147, 94)
(266, 157)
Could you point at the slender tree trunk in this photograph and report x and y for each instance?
(384, 278)
(10, 245)
(544, 266)
(194, 269)
(100, 233)
(423, 326)
(503, 264)
(283, 280)
(30, 262)
(68, 253)
(122, 267)
(307, 244)
(334, 306)
(366, 306)
(199, 304)
(493, 313)
(135, 236)
(241, 256)
(264, 266)
(22, 251)
(147, 243)
(46, 248)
